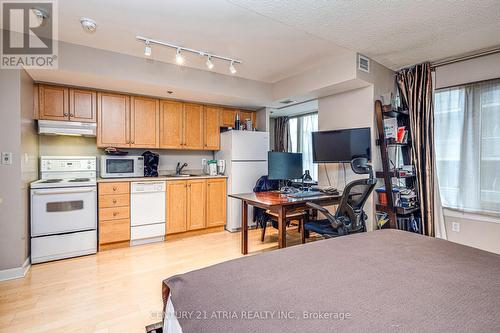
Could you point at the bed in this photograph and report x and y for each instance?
(380, 281)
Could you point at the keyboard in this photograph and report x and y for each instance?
(305, 194)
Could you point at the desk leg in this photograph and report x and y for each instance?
(244, 227)
(282, 227)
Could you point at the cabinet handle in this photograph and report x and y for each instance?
(114, 188)
(71, 115)
(114, 201)
(115, 213)
(65, 114)
(132, 142)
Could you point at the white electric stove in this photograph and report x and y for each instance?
(64, 208)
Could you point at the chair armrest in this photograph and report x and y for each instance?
(333, 221)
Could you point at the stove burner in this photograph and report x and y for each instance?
(76, 180)
(51, 181)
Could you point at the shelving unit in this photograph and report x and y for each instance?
(389, 173)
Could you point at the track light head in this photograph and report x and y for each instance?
(147, 49)
(88, 24)
(209, 63)
(232, 69)
(179, 59)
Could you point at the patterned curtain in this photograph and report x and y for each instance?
(415, 86)
(281, 134)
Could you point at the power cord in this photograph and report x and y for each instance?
(327, 176)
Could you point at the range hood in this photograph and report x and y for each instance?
(72, 128)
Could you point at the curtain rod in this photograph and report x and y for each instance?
(465, 57)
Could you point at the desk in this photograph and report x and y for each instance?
(280, 204)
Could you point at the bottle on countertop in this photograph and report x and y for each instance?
(237, 122)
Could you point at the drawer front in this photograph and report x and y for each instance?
(114, 188)
(117, 200)
(114, 231)
(115, 213)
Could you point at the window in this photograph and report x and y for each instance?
(301, 128)
(467, 137)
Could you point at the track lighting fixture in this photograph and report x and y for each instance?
(88, 24)
(147, 49)
(179, 59)
(232, 69)
(209, 63)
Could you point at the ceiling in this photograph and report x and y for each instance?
(278, 39)
(394, 33)
(269, 50)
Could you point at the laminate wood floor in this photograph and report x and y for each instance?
(117, 290)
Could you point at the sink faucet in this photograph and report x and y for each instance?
(178, 168)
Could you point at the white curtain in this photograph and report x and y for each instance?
(467, 136)
(301, 128)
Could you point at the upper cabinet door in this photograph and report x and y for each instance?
(193, 126)
(53, 102)
(113, 120)
(145, 122)
(212, 128)
(171, 119)
(82, 105)
(227, 117)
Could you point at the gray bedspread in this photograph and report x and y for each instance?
(382, 281)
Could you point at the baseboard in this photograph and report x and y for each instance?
(15, 273)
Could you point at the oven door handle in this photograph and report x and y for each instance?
(63, 192)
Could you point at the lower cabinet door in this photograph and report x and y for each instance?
(176, 206)
(216, 202)
(196, 207)
(114, 231)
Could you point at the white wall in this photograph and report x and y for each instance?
(347, 110)
(81, 146)
(18, 137)
(478, 69)
(475, 230)
(355, 108)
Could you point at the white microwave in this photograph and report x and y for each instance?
(121, 166)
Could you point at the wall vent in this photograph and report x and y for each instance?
(287, 101)
(363, 63)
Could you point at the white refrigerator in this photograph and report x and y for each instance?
(245, 153)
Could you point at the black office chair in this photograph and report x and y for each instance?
(349, 217)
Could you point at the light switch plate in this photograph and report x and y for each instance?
(455, 226)
(6, 158)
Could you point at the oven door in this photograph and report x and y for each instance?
(63, 210)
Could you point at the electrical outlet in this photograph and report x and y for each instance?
(203, 162)
(6, 158)
(455, 226)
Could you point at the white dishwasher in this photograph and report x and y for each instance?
(147, 212)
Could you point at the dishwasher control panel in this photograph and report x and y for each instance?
(153, 186)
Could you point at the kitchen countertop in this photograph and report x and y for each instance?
(159, 178)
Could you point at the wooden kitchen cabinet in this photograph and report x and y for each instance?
(216, 202)
(114, 214)
(212, 128)
(53, 102)
(144, 122)
(113, 120)
(193, 126)
(82, 105)
(176, 206)
(196, 204)
(171, 125)
(228, 116)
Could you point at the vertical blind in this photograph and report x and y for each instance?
(301, 128)
(467, 137)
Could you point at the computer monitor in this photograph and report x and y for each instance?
(284, 166)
